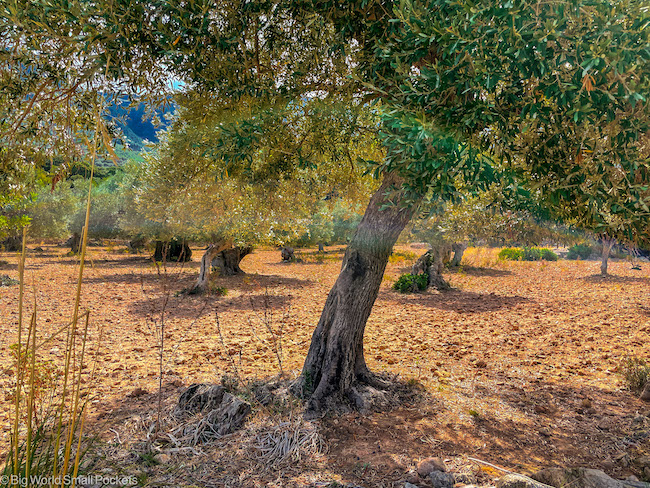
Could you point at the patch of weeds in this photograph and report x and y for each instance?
(410, 283)
(147, 458)
(142, 478)
(475, 414)
(5, 280)
(527, 254)
(635, 373)
(220, 291)
(402, 256)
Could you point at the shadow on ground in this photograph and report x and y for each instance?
(613, 279)
(255, 293)
(475, 271)
(461, 301)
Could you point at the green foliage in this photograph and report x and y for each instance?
(332, 223)
(580, 251)
(635, 373)
(511, 254)
(527, 254)
(220, 291)
(409, 283)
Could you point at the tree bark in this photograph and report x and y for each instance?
(287, 254)
(335, 363)
(458, 249)
(608, 243)
(433, 263)
(206, 265)
(227, 261)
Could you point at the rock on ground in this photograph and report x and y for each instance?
(430, 464)
(441, 479)
(513, 480)
(577, 478)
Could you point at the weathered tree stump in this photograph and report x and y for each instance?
(174, 250)
(74, 242)
(458, 248)
(206, 265)
(227, 261)
(433, 263)
(287, 254)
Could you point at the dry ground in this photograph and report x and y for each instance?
(519, 360)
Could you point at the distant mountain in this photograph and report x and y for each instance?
(137, 126)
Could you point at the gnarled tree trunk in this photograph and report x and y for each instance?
(433, 263)
(287, 254)
(227, 261)
(74, 242)
(608, 243)
(458, 248)
(206, 265)
(335, 363)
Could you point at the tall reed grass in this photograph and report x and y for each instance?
(50, 401)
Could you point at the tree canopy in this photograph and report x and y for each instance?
(555, 91)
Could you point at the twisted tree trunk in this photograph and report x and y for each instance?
(433, 263)
(227, 261)
(335, 365)
(206, 265)
(458, 249)
(608, 243)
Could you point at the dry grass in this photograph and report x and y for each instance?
(481, 257)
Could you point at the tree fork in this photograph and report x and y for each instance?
(335, 361)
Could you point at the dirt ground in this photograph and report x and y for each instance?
(518, 362)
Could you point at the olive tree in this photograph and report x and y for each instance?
(457, 85)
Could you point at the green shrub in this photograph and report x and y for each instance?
(580, 251)
(527, 254)
(511, 254)
(408, 283)
(635, 373)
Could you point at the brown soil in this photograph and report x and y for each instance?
(519, 361)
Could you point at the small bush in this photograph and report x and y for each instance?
(409, 283)
(635, 373)
(511, 254)
(547, 254)
(527, 254)
(580, 251)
